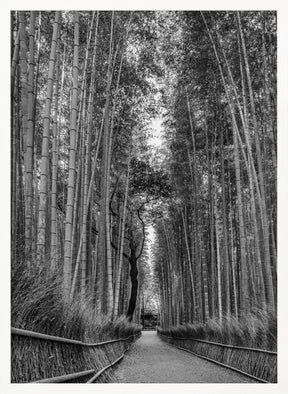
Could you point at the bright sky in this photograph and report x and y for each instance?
(155, 141)
(156, 135)
(151, 239)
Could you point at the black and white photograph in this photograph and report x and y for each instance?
(143, 196)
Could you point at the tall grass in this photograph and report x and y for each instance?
(256, 329)
(37, 305)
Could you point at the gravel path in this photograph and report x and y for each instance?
(151, 360)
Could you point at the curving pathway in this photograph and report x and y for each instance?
(151, 360)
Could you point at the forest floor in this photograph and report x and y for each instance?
(151, 360)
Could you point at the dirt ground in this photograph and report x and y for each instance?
(151, 360)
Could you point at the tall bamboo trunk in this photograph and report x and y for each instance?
(24, 84)
(81, 230)
(213, 263)
(20, 211)
(53, 238)
(268, 112)
(43, 187)
(29, 162)
(194, 305)
(244, 296)
(85, 173)
(72, 158)
(244, 302)
(14, 154)
(198, 260)
(15, 60)
(218, 258)
(267, 261)
(24, 129)
(233, 269)
(84, 232)
(226, 264)
(84, 79)
(110, 295)
(122, 233)
(170, 273)
(104, 204)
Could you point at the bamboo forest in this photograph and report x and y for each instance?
(143, 185)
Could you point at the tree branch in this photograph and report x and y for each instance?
(112, 195)
(115, 247)
(143, 231)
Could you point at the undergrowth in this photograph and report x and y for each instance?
(37, 305)
(256, 329)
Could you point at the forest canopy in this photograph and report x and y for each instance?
(85, 185)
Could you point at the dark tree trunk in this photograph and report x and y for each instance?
(134, 282)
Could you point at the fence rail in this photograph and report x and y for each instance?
(258, 364)
(46, 337)
(222, 344)
(66, 378)
(79, 374)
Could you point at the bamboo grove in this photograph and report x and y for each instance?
(216, 249)
(80, 105)
(85, 185)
